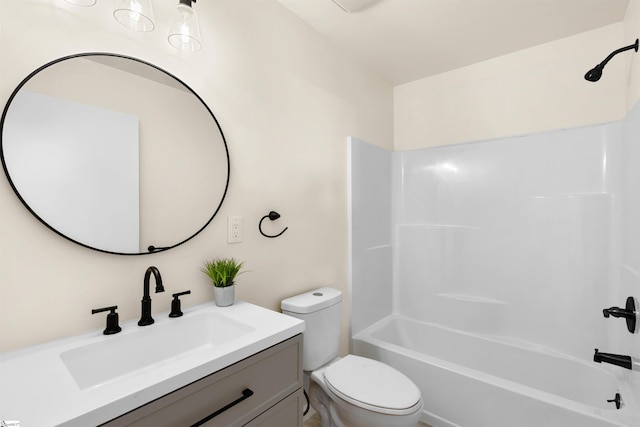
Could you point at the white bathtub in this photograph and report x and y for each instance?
(470, 380)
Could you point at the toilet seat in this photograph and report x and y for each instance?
(372, 385)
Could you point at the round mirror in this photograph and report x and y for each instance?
(114, 153)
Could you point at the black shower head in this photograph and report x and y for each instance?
(595, 73)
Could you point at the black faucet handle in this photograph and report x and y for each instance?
(629, 313)
(175, 304)
(614, 311)
(617, 400)
(179, 294)
(112, 319)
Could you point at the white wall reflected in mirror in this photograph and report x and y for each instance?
(75, 140)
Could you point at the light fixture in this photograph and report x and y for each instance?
(184, 33)
(136, 15)
(82, 2)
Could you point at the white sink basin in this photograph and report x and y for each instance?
(148, 347)
(89, 379)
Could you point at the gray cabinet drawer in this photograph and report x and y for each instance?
(287, 413)
(272, 375)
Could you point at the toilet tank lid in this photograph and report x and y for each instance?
(312, 301)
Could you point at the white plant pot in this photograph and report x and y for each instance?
(224, 297)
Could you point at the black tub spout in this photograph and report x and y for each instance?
(614, 359)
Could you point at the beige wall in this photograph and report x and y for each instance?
(286, 101)
(537, 89)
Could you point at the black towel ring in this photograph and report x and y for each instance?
(272, 216)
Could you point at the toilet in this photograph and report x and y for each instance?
(351, 391)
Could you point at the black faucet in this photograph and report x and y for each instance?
(146, 318)
(629, 313)
(614, 359)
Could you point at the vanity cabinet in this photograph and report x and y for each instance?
(263, 390)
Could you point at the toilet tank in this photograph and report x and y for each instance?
(321, 311)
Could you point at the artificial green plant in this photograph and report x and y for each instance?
(222, 271)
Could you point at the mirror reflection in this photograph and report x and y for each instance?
(114, 154)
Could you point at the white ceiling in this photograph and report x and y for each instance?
(405, 40)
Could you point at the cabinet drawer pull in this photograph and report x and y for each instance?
(246, 393)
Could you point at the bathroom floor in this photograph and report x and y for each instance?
(314, 421)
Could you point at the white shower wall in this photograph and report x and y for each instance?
(627, 243)
(508, 236)
(520, 237)
(370, 265)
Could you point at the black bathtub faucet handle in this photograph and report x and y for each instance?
(629, 313)
(617, 312)
(617, 400)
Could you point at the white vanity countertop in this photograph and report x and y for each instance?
(37, 389)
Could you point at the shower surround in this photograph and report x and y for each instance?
(519, 241)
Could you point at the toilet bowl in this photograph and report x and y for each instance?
(359, 392)
(352, 391)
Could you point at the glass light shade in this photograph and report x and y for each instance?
(82, 2)
(184, 33)
(136, 15)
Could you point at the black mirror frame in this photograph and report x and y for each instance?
(151, 249)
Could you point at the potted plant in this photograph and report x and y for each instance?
(222, 272)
